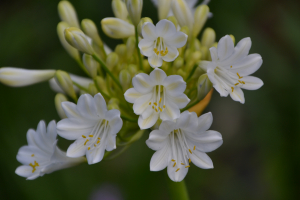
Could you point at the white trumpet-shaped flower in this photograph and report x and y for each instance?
(161, 42)
(92, 126)
(231, 66)
(156, 96)
(41, 155)
(182, 141)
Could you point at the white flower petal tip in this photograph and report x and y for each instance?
(231, 66)
(41, 155)
(179, 142)
(156, 96)
(161, 42)
(91, 125)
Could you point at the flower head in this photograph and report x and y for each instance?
(231, 66)
(161, 42)
(92, 126)
(41, 155)
(180, 142)
(157, 95)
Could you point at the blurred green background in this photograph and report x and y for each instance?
(260, 155)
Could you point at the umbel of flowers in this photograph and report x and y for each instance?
(146, 85)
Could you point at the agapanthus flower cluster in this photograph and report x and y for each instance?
(146, 85)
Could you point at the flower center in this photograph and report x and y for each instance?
(158, 98)
(159, 47)
(36, 164)
(180, 149)
(98, 133)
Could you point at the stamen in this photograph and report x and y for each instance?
(239, 76)
(83, 136)
(91, 136)
(155, 103)
(160, 109)
(190, 160)
(36, 164)
(174, 164)
(86, 142)
(182, 163)
(153, 107)
(149, 103)
(177, 170)
(242, 82)
(230, 66)
(89, 148)
(232, 89)
(98, 142)
(190, 151)
(99, 138)
(164, 106)
(156, 110)
(160, 100)
(173, 160)
(194, 148)
(32, 155)
(187, 166)
(94, 145)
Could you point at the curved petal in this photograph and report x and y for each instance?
(240, 51)
(158, 76)
(149, 31)
(70, 109)
(111, 143)
(175, 174)
(225, 47)
(238, 95)
(214, 54)
(147, 112)
(171, 55)
(181, 100)
(86, 106)
(188, 121)
(155, 61)
(147, 47)
(175, 85)
(201, 160)
(25, 171)
(148, 122)
(131, 95)
(112, 114)
(95, 155)
(170, 112)
(206, 141)
(157, 139)
(167, 126)
(142, 103)
(142, 83)
(100, 104)
(178, 40)
(77, 148)
(204, 65)
(115, 125)
(252, 83)
(204, 122)
(165, 28)
(159, 160)
(247, 65)
(51, 132)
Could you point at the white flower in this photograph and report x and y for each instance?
(185, 140)
(161, 42)
(231, 66)
(42, 156)
(157, 95)
(92, 126)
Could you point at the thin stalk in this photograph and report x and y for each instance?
(138, 49)
(178, 190)
(82, 67)
(191, 73)
(80, 87)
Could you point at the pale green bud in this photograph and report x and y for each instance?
(133, 69)
(112, 60)
(185, 30)
(204, 86)
(130, 44)
(208, 37)
(142, 22)
(66, 83)
(233, 38)
(119, 9)
(79, 40)
(113, 103)
(59, 98)
(163, 7)
(74, 53)
(92, 89)
(67, 13)
(197, 44)
(90, 64)
(200, 18)
(183, 13)
(182, 73)
(205, 53)
(196, 56)
(125, 79)
(113, 106)
(121, 50)
(90, 29)
(165, 66)
(101, 84)
(117, 28)
(173, 20)
(178, 62)
(134, 8)
(146, 65)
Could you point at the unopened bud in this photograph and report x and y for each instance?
(178, 62)
(183, 13)
(92, 89)
(133, 69)
(121, 50)
(134, 8)
(59, 98)
(130, 44)
(185, 30)
(119, 9)
(146, 65)
(204, 86)
(165, 66)
(112, 60)
(197, 44)
(125, 79)
(67, 13)
(173, 20)
(142, 22)
(90, 64)
(182, 73)
(200, 18)
(164, 7)
(101, 84)
(90, 29)
(117, 28)
(114, 100)
(79, 40)
(196, 56)
(66, 83)
(204, 51)
(113, 103)
(208, 37)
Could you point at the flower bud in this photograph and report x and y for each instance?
(185, 30)
(163, 8)
(165, 66)
(90, 29)
(200, 18)
(90, 64)
(178, 62)
(117, 28)
(134, 8)
(133, 69)
(121, 50)
(17, 77)
(113, 104)
(79, 40)
(125, 79)
(182, 73)
(101, 84)
(66, 83)
(67, 13)
(204, 86)
(146, 65)
(196, 56)
(173, 20)
(74, 53)
(112, 60)
(92, 89)
(208, 37)
(183, 13)
(204, 51)
(59, 98)
(130, 44)
(142, 22)
(119, 9)
(114, 100)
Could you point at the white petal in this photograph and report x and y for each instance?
(204, 122)
(238, 95)
(86, 106)
(142, 103)
(158, 76)
(178, 40)
(70, 109)
(188, 121)
(167, 126)
(142, 83)
(180, 100)
(179, 175)
(175, 85)
(216, 83)
(247, 65)
(149, 31)
(165, 28)
(147, 112)
(206, 141)
(252, 83)
(155, 61)
(111, 143)
(148, 122)
(131, 95)
(115, 124)
(100, 104)
(159, 160)
(157, 139)
(51, 131)
(170, 112)
(25, 153)
(95, 155)
(225, 47)
(214, 54)
(201, 160)
(240, 51)
(147, 47)
(25, 171)
(171, 55)
(77, 148)
(204, 64)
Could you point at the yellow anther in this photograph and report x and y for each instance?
(177, 170)
(99, 138)
(230, 66)
(182, 163)
(86, 142)
(155, 104)
(194, 148)
(187, 166)
(215, 70)
(176, 131)
(149, 103)
(83, 136)
(242, 82)
(156, 110)
(153, 107)
(164, 106)
(239, 75)
(160, 109)
(236, 84)
(98, 142)
(155, 50)
(91, 136)
(32, 155)
(36, 164)
(33, 167)
(89, 148)
(94, 145)
(190, 151)
(173, 160)
(190, 160)
(160, 100)
(232, 88)
(174, 164)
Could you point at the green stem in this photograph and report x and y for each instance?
(80, 87)
(128, 119)
(189, 106)
(82, 67)
(107, 70)
(191, 73)
(138, 49)
(178, 190)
